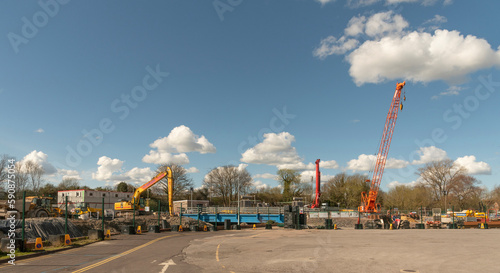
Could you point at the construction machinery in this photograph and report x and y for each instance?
(84, 208)
(35, 206)
(369, 201)
(135, 203)
(316, 203)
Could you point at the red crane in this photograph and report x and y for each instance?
(318, 191)
(368, 202)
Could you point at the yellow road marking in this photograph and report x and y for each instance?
(121, 254)
(217, 253)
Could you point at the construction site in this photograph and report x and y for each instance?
(37, 221)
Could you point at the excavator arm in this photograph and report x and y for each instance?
(128, 205)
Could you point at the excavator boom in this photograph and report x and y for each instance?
(128, 205)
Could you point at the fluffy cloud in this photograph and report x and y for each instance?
(39, 130)
(192, 170)
(265, 176)
(473, 167)
(259, 185)
(331, 45)
(367, 163)
(306, 177)
(421, 57)
(69, 174)
(430, 154)
(392, 52)
(364, 3)
(180, 140)
(275, 149)
(41, 159)
(397, 183)
(110, 170)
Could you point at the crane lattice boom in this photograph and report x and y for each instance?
(368, 202)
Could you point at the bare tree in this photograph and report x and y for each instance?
(34, 173)
(69, 184)
(182, 182)
(20, 179)
(4, 162)
(226, 181)
(439, 177)
(465, 191)
(290, 181)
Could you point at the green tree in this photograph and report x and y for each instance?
(124, 187)
(290, 181)
(345, 190)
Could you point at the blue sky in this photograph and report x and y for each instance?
(104, 91)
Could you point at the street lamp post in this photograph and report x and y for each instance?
(191, 189)
(238, 202)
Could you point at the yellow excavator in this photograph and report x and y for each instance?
(135, 201)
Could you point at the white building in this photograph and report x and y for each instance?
(91, 197)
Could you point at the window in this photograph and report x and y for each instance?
(116, 194)
(128, 196)
(90, 193)
(77, 194)
(103, 195)
(62, 194)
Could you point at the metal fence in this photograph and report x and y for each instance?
(234, 210)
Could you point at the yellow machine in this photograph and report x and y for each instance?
(135, 202)
(83, 208)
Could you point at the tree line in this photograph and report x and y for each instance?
(441, 184)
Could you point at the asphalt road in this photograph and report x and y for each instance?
(279, 250)
(148, 252)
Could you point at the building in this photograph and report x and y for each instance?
(192, 204)
(91, 197)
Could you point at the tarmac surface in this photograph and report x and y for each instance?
(279, 250)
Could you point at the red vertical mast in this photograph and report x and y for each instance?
(318, 183)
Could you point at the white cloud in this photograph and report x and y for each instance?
(331, 45)
(367, 163)
(384, 24)
(451, 91)
(259, 185)
(397, 183)
(473, 167)
(266, 176)
(192, 170)
(364, 3)
(110, 170)
(421, 57)
(323, 2)
(306, 177)
(41, 159)
(275, 149)
(430, 154)
(39, 130)
(180, 140)
(437, 19)
(355, 26)
(69, 174)
(392, 52)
